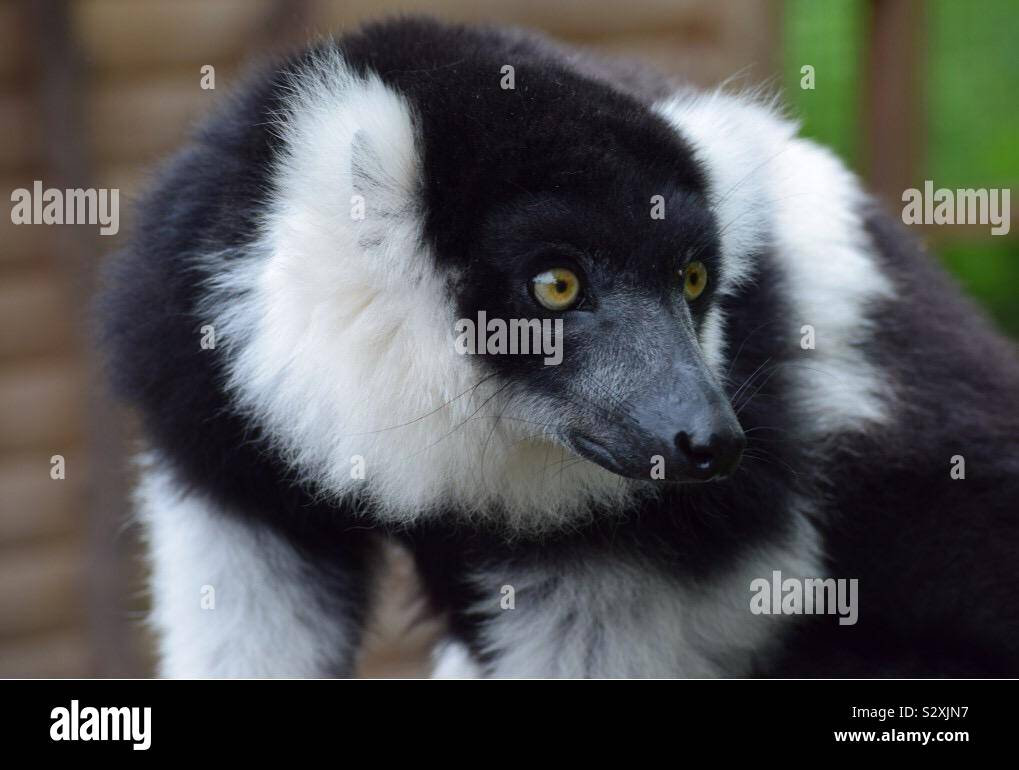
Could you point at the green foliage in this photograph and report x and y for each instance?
(971, 98)
(826, 35)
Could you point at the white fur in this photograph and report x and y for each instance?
(771, 189)
(452, 660)
(740, 143)
(341, 334)
(614, 616)
(266, 619)
(712, 339)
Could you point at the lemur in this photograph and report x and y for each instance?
(761, 373)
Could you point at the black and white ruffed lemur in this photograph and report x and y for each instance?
(334, 221)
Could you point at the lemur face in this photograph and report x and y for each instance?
(632, 391)
(568, 202)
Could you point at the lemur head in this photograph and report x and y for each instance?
(599, 227)
(421, 203)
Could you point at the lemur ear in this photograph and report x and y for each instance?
(384, 183)
(378, 186)
(348, 176)
(365, 164)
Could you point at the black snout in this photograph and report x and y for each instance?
(710, 453)
(698, 440)
(682, 430)
(678, 427)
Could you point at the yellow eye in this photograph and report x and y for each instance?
(695, 279)
(556, 289)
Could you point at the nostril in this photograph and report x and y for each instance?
(702, 460)
(701, 457)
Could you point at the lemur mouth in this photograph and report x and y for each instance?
(597, 453)
(695, 467)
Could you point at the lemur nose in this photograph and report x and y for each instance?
(713, 456)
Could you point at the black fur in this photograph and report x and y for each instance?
(936, 557)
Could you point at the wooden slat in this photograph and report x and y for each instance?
(569, 18)
(131, 179)
(34, 317)
(142, 119)
(63, 93)
(41, 406)
(700, 62)
(42, 587)
(55, 654)
(894, 97)
(34, 505)
(23, 245)
(21, 147)
(13, 44)
(115, 35)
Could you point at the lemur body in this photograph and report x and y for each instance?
(335, 348)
